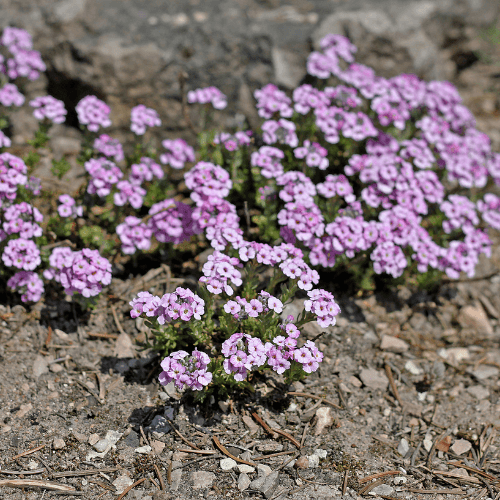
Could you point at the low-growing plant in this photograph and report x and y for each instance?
(368, 176)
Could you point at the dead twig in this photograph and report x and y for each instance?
(22, 472)
(224, 450)
(28, 452)
(277, 431)
(206, 457)
(117, 321)
(103, 335)
(313, 396)
(181, 436)
(169, 473)
(370, 487)
(126, 490)
(101, 484)
(392, 383)
(456, 491)
(344, 482)
(90, 472)
(284, 464)
(379, 475)
(35, 483)
(434, 444)
(199, 452)
(160, 477)
(304, 434)
(279, 454)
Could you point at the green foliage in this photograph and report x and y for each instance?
(31, 160)
(60, 168)
(41, 138)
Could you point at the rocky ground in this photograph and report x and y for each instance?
(407, 401)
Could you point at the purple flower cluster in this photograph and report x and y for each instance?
(210, 184)
(241, 308)
(28, 284)
(50, 108)
(145, 170)
(233, 141)
(208, 94)
(242, 352)
(322, 304)
(461, 213)
(21, 253)
(10, 96)
(268, 159)
(271, 100)
(281, 131)
(68, 207)
(134, 235)
(5, 142)
(22, 219)
(489, 207)
(172, 221)
(24, 61)
(84, 271)
(93, 113)
(182, 304)
(109, 147)
(218, 271)
(178, 153)
(142, 117)
(186, 370)
(129, 193)
(314, 153)
(103, 175)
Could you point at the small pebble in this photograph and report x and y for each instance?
(247, 469)
(93, 439)
(227, 463)
(101, 445)
(313, 461)
(58, 444)
(143, 450)
(302, 463)
(202, 479)
(263, 470)
(461, 446)
(122, 482)
(243, 482)
(403, 447)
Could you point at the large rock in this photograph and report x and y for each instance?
(132, 52)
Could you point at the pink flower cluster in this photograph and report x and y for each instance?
(145, 170)
(21, 253)
(186, 370)
(103, 175)
(93, 113)
(22, 219)
(269, 160)
(50, 108)
(172, 221)
(68, 207)
(281, 131)
(210, 184)
(243, 353)
(5, 142)
(208, 94)
(129, 193)
(84, 271)
(322, 304)
(24, 61)
(233, 141)
(489, 207)
(134, 235)
(142, 117)
(178, 153)
(109, 147)
(10, 96)
(219, 271)
(182, 304)
(271, 100)
(314, 153)
(241, 308)
(28, 284)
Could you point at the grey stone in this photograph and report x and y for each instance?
(289, 67)
(227, 463)
(243, 482)
(159, 424)
(247, 469)
(393, 344)
(270, 484)
(478, 391)
(132, 440)
(176, 479)
(485, 371)
(124, 348)
(101, 445)
(263, 470)
(461, 446)
(403, 447)
(382, 489)
(374, 379)
(67, 10)
(58, 444)
(202, 479)
(40, 366)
